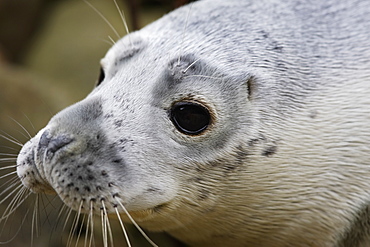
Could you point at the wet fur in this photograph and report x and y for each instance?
(286, 160)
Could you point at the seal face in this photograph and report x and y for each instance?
(248, 127)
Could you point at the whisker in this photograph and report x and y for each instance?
(66, 220)
(59, 216)
(7, 167)
(17, 185)
(87, 227)
(8, 160)
(204, 76)
(74, 225)
(123, 18)
(5, 154)
(7, 175)
(108, 224)
(184, 71)
(10, 183)
(123, 227)
(34, 222)
(20, 125)
(80, 230)
(136, 225)
(13, 205)
(29, 120)
(91, 215)
(183, 34)
(104, 228)
(112, 40)
(15, 141)
(16, 234)
(103, 17)
(11, 148)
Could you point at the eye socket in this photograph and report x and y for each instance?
(190, 118)
(101, 77)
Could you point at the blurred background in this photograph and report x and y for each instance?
(49, 58)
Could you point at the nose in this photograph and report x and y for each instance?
(53, 143)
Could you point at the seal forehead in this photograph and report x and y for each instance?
(124, 50)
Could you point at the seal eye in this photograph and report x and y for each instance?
(190, 118)
(101, 77)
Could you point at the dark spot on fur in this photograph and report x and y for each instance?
(313, 114)
(154, 190)
(117, 161)
(269, 151)
(104, 173)
(203, 194)
(70, 184)
(90, 177)
(241, 156)
(107, 116)
(118, 123)
(158, 208)
(255, 141)
(87, 188)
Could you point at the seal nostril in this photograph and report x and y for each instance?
(59, 142)
(52, 143)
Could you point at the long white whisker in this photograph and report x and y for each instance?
(29, 120)
(10, 194)
(35, 226)
(87, 227)
(80, 231)
(13, 183)
(204, 76)
(112, 42)
(28, 133)
(66, 221)
(123, 18)
(11, 148)
(104, 228)
(19, 229)
(108, 224)
(74, 225)
(136, 225)
(184, 71)
(8, 174)
(5, 154)
(91, 215)
(183, 34)
(8, 167)
(123, 228)
(15, 141)
(8, 160)
(103, 17)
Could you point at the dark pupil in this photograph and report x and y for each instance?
(190, 118)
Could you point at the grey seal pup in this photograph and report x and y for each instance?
(226, 123)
